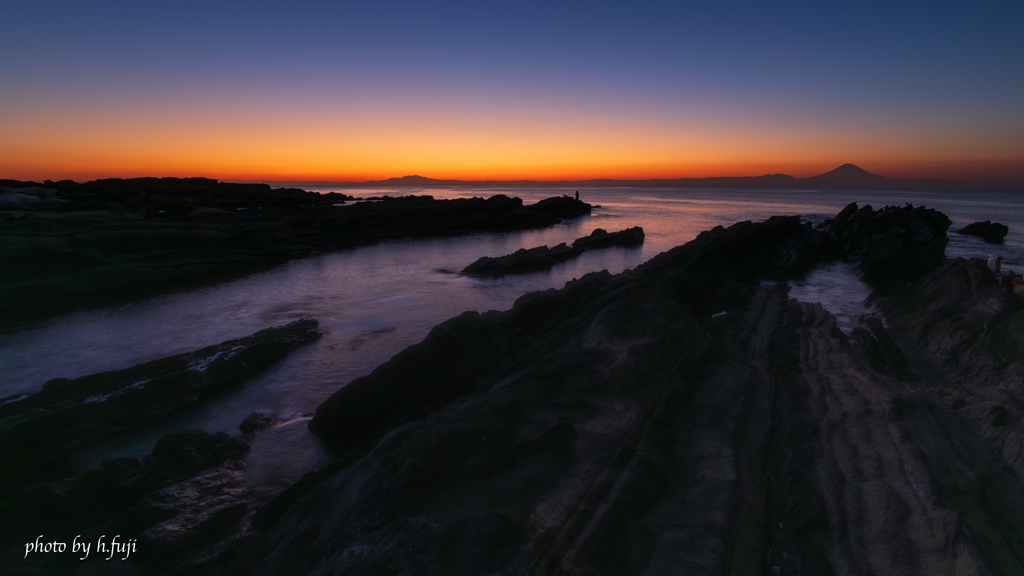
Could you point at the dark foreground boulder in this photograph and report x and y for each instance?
(990, 232)
(682, 417)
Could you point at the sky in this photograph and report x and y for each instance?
(503, 90)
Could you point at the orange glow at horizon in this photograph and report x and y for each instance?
(441, 142)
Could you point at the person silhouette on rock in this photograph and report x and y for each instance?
(577, 195)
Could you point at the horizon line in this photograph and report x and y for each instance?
(849, 172)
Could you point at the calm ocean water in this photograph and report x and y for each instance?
(374, 301)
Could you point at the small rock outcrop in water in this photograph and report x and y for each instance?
(990, 232)
(254, 422)
(523, 260)
(543, 258)
(600, 238)
(617, 425)
(561, 207)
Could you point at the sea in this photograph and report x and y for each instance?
(374, 301)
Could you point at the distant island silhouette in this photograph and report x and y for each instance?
(845, 176)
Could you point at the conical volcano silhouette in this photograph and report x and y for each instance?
(849, 172)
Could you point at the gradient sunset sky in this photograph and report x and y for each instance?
(507, 90)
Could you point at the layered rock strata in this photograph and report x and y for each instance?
(625, 425)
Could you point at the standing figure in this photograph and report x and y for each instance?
(577, 194)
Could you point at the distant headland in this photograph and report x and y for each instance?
(845, 176)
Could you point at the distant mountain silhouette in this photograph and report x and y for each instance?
(410, 181)
(845, 176)
(848, 172)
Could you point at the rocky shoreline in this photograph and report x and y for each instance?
(41, 431)
(682, 416)
(687, 416)
(64, 245)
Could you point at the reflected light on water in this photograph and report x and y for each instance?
(374, 301)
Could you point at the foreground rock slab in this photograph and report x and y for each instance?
(40, 431)
(625, 425)
(190, 491)
(158, 500)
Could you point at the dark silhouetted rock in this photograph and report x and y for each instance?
(561, 207)
(891, 245)
(194, 450)
(993, 233)
(527, 260)
(599, 238)
(523, 260)
(254, 422)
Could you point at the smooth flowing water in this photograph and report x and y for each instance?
(374, 301)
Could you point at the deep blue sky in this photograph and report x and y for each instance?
(928, 82)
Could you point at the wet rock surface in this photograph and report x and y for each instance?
(178, 508)
(624, 425)
(38, 433)
(65, 245)
(187, 493)
(990, 232)
(202, 517)
(543, 258)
